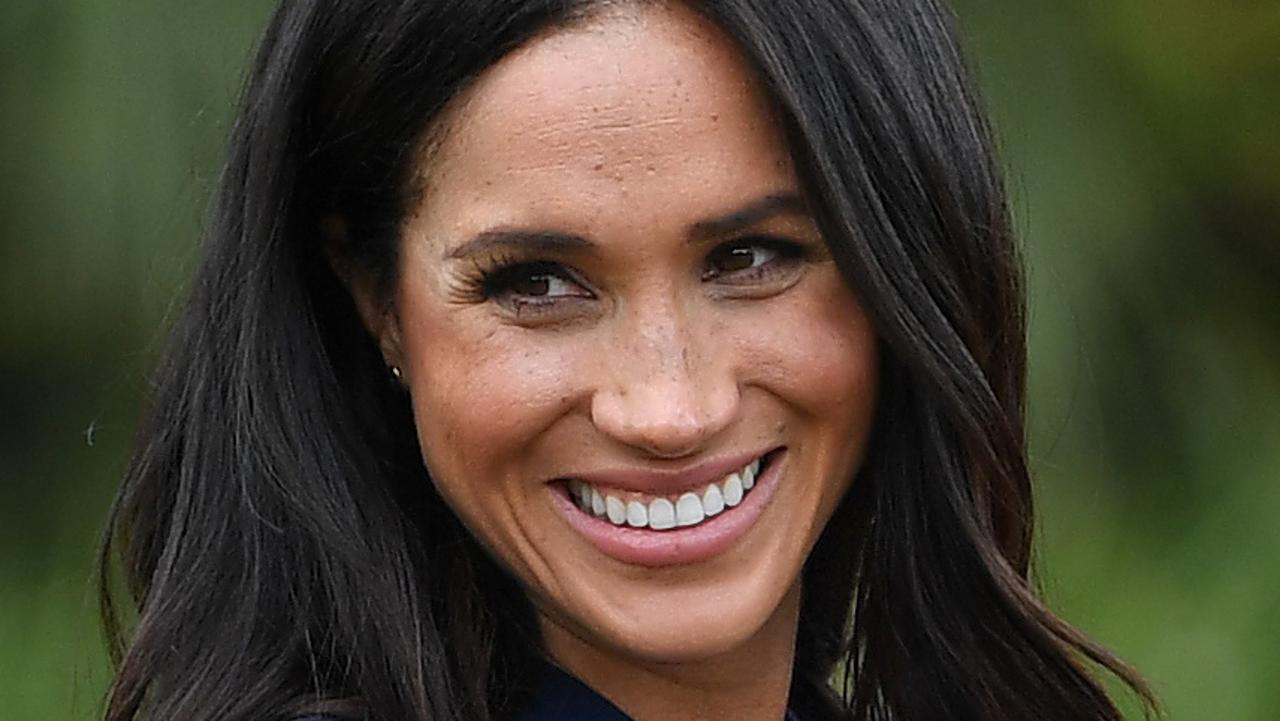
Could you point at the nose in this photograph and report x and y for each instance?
(668, 389)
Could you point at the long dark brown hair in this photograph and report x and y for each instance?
(276, 545)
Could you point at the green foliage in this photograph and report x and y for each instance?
(1146, 178)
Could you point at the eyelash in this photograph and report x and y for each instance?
(786, 255)
(494, 277)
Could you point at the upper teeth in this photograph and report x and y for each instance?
(664, 513)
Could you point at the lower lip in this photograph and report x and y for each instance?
(678, 546)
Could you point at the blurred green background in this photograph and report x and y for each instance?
(1144, 167)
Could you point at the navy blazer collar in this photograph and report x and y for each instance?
(561, 697)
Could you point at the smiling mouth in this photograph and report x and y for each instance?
(664, 513)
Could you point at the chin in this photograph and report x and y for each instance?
(670, 618)
(697, 638)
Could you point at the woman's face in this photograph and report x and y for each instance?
(636, 373)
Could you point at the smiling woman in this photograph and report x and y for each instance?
(613, 290)
(596, 360)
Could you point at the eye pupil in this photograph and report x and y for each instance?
(738, 258)
(533, 284)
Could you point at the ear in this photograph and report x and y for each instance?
(376, 311)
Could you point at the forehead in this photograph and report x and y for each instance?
(645, 107)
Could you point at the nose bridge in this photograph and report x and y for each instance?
(669, 387)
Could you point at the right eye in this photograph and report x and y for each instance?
(532, 286)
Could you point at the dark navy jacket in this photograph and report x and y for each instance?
(562, 697)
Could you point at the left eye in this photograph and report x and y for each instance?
(749, 260)
(542, 284)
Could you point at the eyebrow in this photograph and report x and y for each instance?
(759, 211)
(547, 241)
(512, 239)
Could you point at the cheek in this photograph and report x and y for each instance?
(818, 353)
(481, 399)
(819, 356)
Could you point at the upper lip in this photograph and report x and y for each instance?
(660, 482)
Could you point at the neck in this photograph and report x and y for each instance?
(750, 682)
